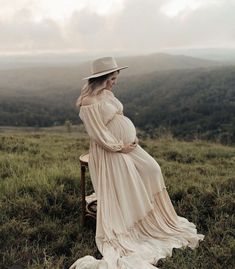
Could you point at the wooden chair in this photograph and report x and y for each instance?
(89, 202)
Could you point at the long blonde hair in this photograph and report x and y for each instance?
(94, 86)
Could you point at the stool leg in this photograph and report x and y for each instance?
(83, 193)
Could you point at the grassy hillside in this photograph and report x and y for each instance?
(40, 200)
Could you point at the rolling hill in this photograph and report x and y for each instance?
(188, 96)
(59, 78)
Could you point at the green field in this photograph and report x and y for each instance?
(40, 198)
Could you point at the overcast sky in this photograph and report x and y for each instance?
(115, 25)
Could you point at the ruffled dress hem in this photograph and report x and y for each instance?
(145, 243)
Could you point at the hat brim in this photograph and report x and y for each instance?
(105, 72)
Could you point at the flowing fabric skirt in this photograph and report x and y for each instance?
(136, 221)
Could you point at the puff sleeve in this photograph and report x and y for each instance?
(94, 119)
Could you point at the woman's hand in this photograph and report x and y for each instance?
(129, 147)
(136, 140)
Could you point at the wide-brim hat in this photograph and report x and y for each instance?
(103, 66)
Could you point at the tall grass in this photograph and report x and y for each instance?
(40, 199)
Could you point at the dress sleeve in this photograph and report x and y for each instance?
(94, 122)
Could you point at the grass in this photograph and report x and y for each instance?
(40, 199)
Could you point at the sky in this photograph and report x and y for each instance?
(35, 26)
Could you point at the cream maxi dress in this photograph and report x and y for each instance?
(136, 222)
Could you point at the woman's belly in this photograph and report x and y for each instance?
(122, 128)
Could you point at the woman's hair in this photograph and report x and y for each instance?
(94, 86)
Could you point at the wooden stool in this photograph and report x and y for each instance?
(89, 203)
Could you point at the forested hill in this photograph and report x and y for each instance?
(191, 103)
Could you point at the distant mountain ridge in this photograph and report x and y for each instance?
(196, 100)
(50, 59)
(33, 79)
(162, 61)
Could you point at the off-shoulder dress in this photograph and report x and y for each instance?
(136, 222)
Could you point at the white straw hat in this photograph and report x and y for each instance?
(103, 66)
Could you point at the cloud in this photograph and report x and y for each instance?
(208, 26)
(137, 25)
(22, 33)
(84, 30)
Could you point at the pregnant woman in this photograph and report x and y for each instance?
(136, 222)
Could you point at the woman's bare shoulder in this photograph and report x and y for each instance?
(89, 99)
(86, 101)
